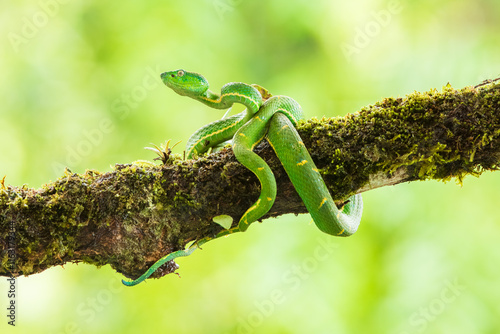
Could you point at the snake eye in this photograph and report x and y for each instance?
(180, 73)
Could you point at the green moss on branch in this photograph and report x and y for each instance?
(132, 216)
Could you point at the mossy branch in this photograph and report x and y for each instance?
(132, 216)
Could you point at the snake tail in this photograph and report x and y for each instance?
(159, 263)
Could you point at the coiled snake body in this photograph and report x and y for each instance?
(274, 119)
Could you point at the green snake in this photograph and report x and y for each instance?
(273, 118)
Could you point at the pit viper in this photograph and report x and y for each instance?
(266, 117)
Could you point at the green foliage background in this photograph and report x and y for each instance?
(80, 88)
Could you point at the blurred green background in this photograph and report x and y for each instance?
(80, 88)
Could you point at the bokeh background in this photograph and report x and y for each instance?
(80, 88)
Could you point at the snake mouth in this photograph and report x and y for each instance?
(170, 79)
(167, 77)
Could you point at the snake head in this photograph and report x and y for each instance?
(185, 83)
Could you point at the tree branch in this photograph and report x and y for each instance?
(133, 215)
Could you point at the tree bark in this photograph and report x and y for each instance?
(135, 214)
